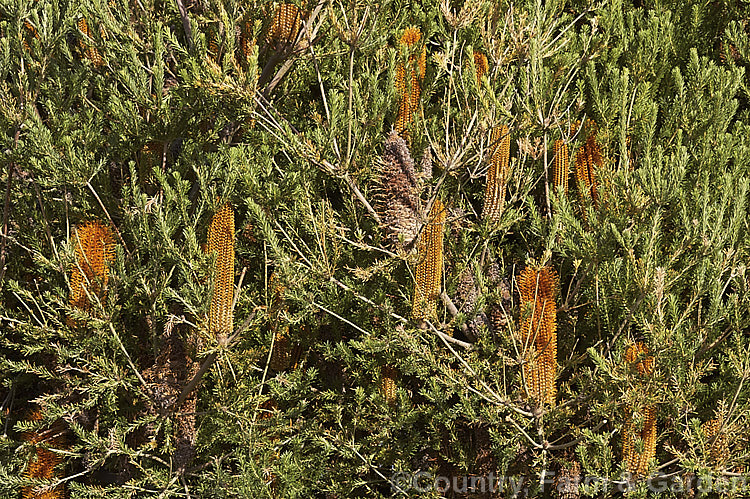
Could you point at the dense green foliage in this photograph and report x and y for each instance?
(178, 119)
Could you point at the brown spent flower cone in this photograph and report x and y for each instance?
(95, 250)
(538, 290)
(568, 480)
(560, 166)
(221, 242)
(429, 270)
(497, 174)
(286, 24)
(397, 196)
(638, 358)
(42, 465)
(89, 51)
(408, 80)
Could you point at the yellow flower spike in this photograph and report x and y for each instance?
(560, 166)
(429, 269)
(221, 242)
(497, 174)
(286, 23)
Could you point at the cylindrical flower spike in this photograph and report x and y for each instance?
(89, 51)
(43, 462)
(408, 80)
(95, 250)
(388, 376)
(30, 33)
(538, 290)
(221, 243)
(560, 166)
(286, 23)
(429, 269)
(481, 65)
(717, 443)
(638, 358)
(497, 174)
(588, 161)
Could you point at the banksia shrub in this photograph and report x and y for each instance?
(88, 51)
(497, 174)
(43, 462)
(429, 269)
(95, 250)
(409, 79)
(398, 196)
(560, 166)
(221, 243)
(286, 23)
(538, 290)
(638, 358)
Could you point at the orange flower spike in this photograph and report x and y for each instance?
(413, 74)
(538, 289)
(481, 64)
(91, 53)
(30, 33)
(497, 174)
(221, 242)
(95, 250)
(43, 462)
(286, 23)
(637, 357)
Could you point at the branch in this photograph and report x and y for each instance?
(207, 364)
(6, 211)
(185, 23)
